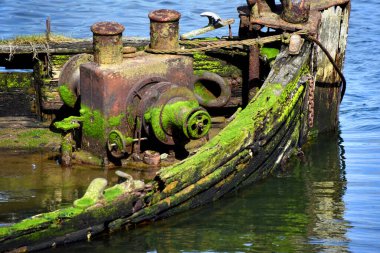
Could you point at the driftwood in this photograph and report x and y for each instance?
(260, 137)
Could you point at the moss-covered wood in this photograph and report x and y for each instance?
(250, 147)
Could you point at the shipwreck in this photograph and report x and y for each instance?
(212, 115)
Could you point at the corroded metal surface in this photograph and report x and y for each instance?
(116, 91)
(108, 44)
(70, 75)
(107, 28)
(273, 20)
(217, 82)
(264, 14)
(164, 29)
(164, 15)
(295, 11)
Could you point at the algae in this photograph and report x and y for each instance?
(116, 120)
(172, 114)
(12, 81)
(38, 39)
(112, 193)
(67, 96)
(93, 193)
(203, 63)
(28, 138)
(94, 123)
(269, 53)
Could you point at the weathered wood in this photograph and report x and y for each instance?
(334, 28)
(38, 83)
(78, 47)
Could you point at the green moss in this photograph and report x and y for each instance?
(59, 60)
(14, 81)
(203, 63)
(68, 124)
(65, 213)
(115, 121)
(30, 138)
(93, 193)
(37, 39)
(94, 124)
(203, 92)
(84, 202)
(174, 114)
(269, 53)
(113, 192)
(67, 96)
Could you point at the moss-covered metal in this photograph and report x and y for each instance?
(94, 123)
(180, 115)
(67, 95)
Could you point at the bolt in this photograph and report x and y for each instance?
(108, 44)
(164, 29)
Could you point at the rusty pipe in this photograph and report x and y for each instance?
(164, 29)
(107, 42)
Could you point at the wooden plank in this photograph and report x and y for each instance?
(64, 48)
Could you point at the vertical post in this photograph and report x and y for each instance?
(37, 84)
(327, 82)
(66, 148)
(254, 71)
(48, 29)
(108, 44)
(164, 29)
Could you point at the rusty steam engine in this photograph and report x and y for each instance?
(133, 101)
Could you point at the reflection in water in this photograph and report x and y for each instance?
(328, 185)
(300, 210)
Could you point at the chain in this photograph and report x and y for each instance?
(311, 101)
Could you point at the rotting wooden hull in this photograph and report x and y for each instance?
(267, 131)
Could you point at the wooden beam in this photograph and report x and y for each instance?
(64, 48)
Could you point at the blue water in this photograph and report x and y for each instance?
(328, 203)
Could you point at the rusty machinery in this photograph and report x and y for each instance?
(125, 100)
